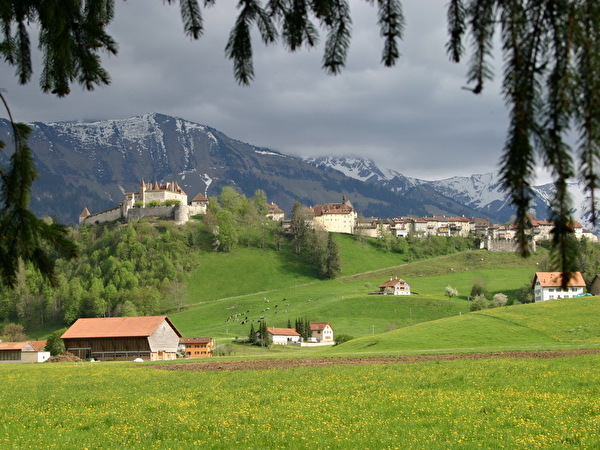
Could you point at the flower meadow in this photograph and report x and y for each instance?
(500, 403)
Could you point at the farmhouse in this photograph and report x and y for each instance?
(547, 286)
(151, 338)
(322, 332)
(283, 336)
(197, 347)
(395, 286)
(23, 352)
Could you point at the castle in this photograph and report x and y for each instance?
(165, 201)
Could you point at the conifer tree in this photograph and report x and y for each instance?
(252, 334)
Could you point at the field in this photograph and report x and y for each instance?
(503, 403)
(224, 292)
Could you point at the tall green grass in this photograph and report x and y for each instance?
(504, 403)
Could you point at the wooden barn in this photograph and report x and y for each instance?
(151, 338)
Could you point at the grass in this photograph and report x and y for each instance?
(567, 323)
(499, 403)
(344, 301)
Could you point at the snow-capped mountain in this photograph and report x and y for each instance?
(481, 192)
(93, 164)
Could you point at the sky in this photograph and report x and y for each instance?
(415, 118)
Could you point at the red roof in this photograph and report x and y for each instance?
(554, 279)
(38, 346)
(116, 327)
(195, 340)
(319, 326)
(12, 345)
(199, 198)
(393, 282)
(283, 331)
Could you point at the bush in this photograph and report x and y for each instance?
(479, 302)
(172, 202)
(499, 300)
(341, 338)
(479, 288)
(451, 292)
(152, 204)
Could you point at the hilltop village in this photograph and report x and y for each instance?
(169, 201)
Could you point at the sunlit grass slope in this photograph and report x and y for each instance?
(250, 283)
(567, 323)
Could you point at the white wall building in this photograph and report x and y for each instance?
(547, 286)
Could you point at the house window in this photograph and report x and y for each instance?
(551, 290)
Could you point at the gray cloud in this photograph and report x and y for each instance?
(414, 117)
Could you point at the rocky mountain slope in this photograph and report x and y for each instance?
(92, 164)
(481, 192)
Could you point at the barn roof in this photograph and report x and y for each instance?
(13, 345)
(283, 331)
(116, 327)
(554, 279)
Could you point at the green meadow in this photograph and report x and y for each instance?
(500, 403)
(247, 284)
(490, 403)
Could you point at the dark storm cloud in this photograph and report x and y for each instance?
(414, 117)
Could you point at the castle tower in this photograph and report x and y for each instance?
(85, 213)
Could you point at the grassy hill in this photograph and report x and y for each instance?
(549, 325)
(242, 286)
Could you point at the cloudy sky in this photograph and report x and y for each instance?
(414, 118)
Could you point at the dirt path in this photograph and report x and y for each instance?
(362, 360)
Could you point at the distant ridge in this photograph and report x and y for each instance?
(92, 164)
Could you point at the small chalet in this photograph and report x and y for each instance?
(395, 286)
(283, 336)
(150, 338)
(322, 332)
(197, 347)
(548, 286)
(24, 352)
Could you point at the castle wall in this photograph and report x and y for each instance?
(161, 196)
(502, 245)
(197, 208)
(109, 215)
(162, 212)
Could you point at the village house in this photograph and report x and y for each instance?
(548, 286)
(283, 336)
(275, 212)
(197, 347)
(335, 217)
(150, 338)
(394, 286)
(322, 332)
(23, 352)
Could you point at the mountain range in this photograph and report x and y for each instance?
(92, 164)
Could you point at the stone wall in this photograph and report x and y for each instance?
(162, 212)
(109, 215)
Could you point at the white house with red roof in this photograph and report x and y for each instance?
(283, 336)
(548, 286)
(394, 286)
(322, 332)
